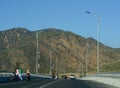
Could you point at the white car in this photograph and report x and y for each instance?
(71, 77)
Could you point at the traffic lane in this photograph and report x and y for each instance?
(25, 84)
(95, 84)
(55, 84)
(76, 84)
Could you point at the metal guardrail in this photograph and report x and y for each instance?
(4, 74)
(39, 77)
(7, 77)
(109, 75)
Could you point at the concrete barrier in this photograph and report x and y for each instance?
(110, 81)
(5, 79)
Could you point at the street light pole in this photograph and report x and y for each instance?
(50, 64)
(98, 45)
(37, 54)
(87, 59)
(98, 40)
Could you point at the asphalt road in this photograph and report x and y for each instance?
(76, 84)
(55, 84)
(25, 84)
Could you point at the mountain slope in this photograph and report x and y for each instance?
(66, 51)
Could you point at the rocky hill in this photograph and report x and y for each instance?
(66, 51)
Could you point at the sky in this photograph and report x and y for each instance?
(68, 15)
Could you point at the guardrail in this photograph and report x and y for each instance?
(7, 77)
(39, 77)
(112, 78)
(109, 75)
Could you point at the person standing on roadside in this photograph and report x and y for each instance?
(20, 74)
(28, 75)
(17, 73)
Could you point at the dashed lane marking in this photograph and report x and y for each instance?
(49, 84)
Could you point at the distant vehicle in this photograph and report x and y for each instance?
(72, 77)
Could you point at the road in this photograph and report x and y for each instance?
(25, 84)
(55, 84)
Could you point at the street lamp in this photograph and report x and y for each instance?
(98, 48)
(86, 59)
(37, 54)
(50, 64)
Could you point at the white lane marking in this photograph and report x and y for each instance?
(49, 84)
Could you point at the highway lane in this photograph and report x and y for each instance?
(76, 84)
(55, 84)
(25, 84)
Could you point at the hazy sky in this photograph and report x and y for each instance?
(68, 15)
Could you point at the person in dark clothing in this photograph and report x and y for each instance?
(28, 75)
